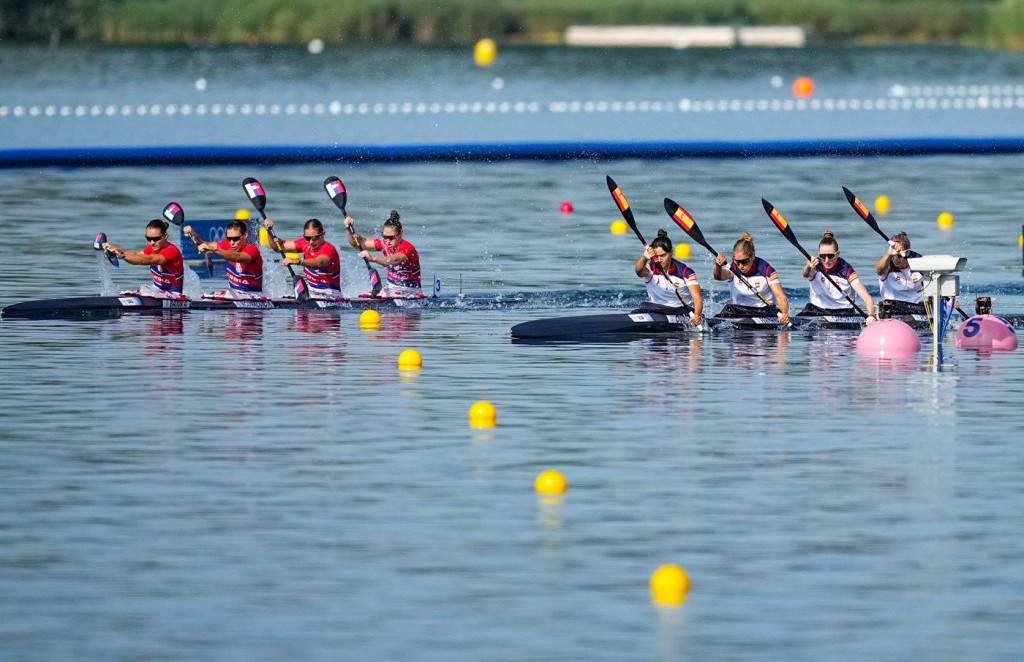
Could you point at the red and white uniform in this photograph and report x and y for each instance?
(407, 274)
(168, 277)
(244, 277)
(762, 278)
(901, 284)
(825, 295)
(324, 280)
(662, 291)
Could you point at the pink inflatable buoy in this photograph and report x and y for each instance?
(566, 207)
(889, 339)
(986, 332)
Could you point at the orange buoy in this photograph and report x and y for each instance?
(803, 87)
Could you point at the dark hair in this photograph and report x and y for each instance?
(662, 241)
(393, 222)
(157, 224)
(315, 224)
(902, 237)
(745, 244)
(828, 239)
(238, 225)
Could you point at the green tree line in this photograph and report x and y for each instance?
(997, 24)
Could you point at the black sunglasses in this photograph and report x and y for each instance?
(389, 237)
(744, 261)
(237, 237)
(312, 237)
(826, 256)
(148, 238)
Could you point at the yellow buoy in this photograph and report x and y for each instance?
(882, 204)
(484, 52)
(945, 220)
(369, 319)
(242, 214)
(682, 251)
(1020, 240)
(482, 415)
(410, 359)
(669, 585)
(550, 482)
(619, 227)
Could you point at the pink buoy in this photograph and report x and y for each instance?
(566, 208)
(890, 339)
(986, 332)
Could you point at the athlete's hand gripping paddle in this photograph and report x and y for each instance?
(254, 191)
(336, 192)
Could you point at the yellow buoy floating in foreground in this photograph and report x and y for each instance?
(482, 415)
(410, 359)
(619, 227)
(484, 52)
(669, 585)
(682, 251)
(369, 320)
(882, 204)
(242, 214)
(550, 482)
(945, 220)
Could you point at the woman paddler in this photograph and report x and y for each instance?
(826, 298)
(744, 301)
(666, 276)
(896, 282)
(163, 259)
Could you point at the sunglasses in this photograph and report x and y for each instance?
(389, 237)
(743, 261)
(312, 237)
(148, 238)
(827, 256)
(237, 237)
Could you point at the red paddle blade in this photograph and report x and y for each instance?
(98, 242)
(375, 284)
(254, 190)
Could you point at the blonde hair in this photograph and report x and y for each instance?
(744, 244)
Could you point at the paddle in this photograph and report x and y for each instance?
(620, 201)
(686, 222)
(336, 192)
(176, 215)
(98, 242)
(254, 190)
(865, 214)
(783, 226)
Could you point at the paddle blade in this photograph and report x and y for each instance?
(617, 195)
(173, 213)
(98, 242)
(857, 205)
(336, 192)
(254, 190)
(301, 290)
(777, 218)
(620, 201)
(375, 285)
(209, 264)
(686, 222)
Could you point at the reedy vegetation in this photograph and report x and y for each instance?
(997, 24)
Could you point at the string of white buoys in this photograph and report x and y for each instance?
(901, 98)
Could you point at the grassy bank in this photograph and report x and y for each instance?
(990, 23)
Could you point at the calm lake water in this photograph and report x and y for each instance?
(241, 486)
